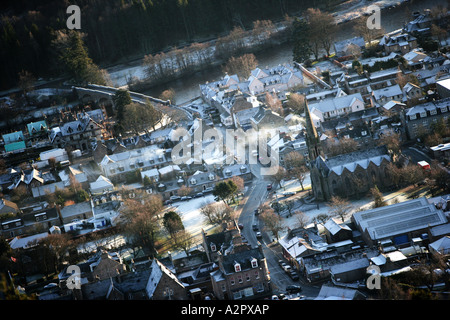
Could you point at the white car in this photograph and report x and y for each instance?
(275, 297)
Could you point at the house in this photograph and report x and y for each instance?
(443, 88)
(8, 207)
(101, 185)
(29, 178)
(336, 231)
(266, 119)
(106, 206)
(116, 166)
(441, 247)
(106, 267)
(399, 222)
(80, 211)
(162, 284)
(81, 133)
(411, 92)
(382, 96)
(14, 142)
(202, 181)
(336, 107)
(400, 42)
(441, 152)
(39, 217)
(348, 46)
(420, 118)
(414, 59)
(242, 274)
(330, 292)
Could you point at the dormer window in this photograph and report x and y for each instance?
(193, 181)
(213, 247)
(254, 263)
(237, 267)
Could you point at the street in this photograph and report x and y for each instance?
(255, 196)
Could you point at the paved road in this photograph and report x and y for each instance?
(256, 195)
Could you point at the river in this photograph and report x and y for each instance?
(187, 88)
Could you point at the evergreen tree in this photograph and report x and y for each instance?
(301, 47)
(74, 56)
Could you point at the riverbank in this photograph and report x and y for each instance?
(394, 14)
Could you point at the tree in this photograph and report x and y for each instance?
(172, 222)
(168, 94)
(26, 83)
(241, 66)
(301, 47)
(217, 213)
(296, 102)
(392, 141)
(321, 218)
(121, 99)
(301, 218)
(377, 197)
(182, 239)
(322, 30)
(339, 207)
(361, 29)
(262, 29)
(279, 175)
(184, 191)
(140, 221)
(274, 103)
(224, 191)
(74, 56)
(272, 221)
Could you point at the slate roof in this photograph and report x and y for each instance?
(244, 258)
(350, 161)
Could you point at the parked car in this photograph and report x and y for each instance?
(293, 289)
(275, 297)
(241, 226)
(167, 202)
(294, 276)
(257, 212)
(258, 235)
(186, 198)
(255, 227)
(287, 268)
(199, 195)
(269, 186)
(175, 198)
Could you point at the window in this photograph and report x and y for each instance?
(433, 112)
(240, 279)
(247, 276)
(412, 117)
(237, 267)
(254, 263)
(224, 287)
(232, 281)
(256, 275)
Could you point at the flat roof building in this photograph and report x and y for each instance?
(398, 222)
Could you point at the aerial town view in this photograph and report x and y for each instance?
(229, 150)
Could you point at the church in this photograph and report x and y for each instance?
(345, 175)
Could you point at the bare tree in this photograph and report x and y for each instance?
(301, 218)
(242, 66)
(272, 221)
(296, 102)
(339, 207)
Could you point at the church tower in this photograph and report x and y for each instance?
(315, 153)
(312, 138)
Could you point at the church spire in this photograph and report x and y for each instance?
(312, 138)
